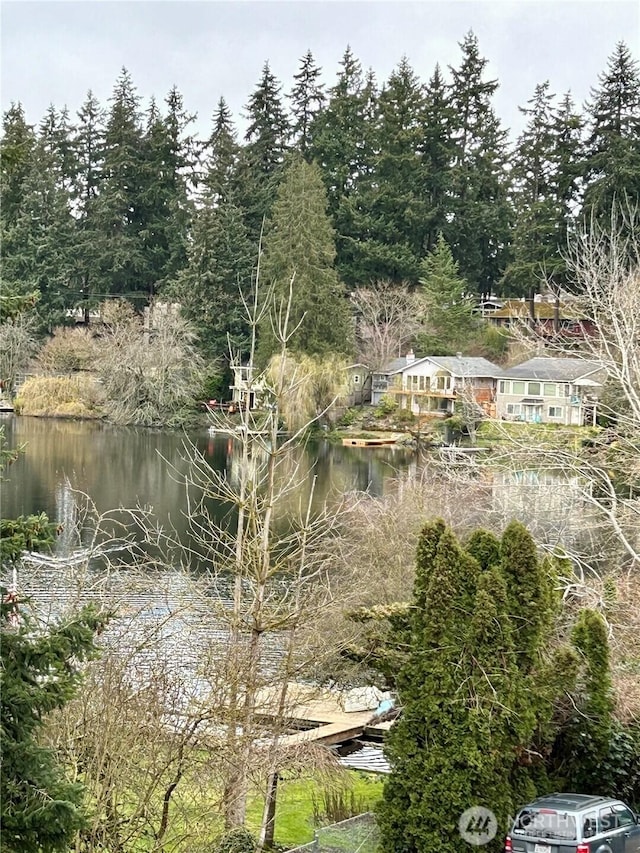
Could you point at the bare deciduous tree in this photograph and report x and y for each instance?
(18, 345)
(388, 317)
(151, 370)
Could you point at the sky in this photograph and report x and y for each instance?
(55, 51)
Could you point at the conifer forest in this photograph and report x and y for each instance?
(120, 199)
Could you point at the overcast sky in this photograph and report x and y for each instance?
(53, 52)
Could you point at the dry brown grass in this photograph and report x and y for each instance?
(68, 350)
(74, 396)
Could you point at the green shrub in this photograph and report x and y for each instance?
(493, 343)
(349, 417)
(237, 841)
(386, 406)
(405, 416)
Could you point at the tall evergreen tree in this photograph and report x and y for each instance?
(299, 243)
(437, 154)
(479, 226)
(263, 155)
(448, 307)
(119, 207)
(338, 132)
(535, 250)
(165, 209)
(89, 152)
(389, 204)
(612, 170)
(18, 143)
(221, 157)
(56, 134)
(220, 260)
(344, 145)
(307, 100)
(38, 248)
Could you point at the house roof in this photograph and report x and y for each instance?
(552, 369)
(394, 366)
(456, 365)
(521, 309)
(465, 366)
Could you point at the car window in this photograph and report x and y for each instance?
(624, 816)
(546, 823)
(606, 820)
(589, 826)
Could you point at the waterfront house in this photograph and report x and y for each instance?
(432, 384)
(247, 390)
(382, 378)
(550, 390)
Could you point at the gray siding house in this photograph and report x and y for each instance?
(550, 390)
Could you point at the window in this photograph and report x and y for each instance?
(422, 383)
(441, 383)
(504, 386)
(606, 820)
(555, 411)
(563, 390)
(547, 823)
(589, 826)
(534, 389)
(517, 387)
(356, 378)
(624, 816)
(513, 408)
(549, 389)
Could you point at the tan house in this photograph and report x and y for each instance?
(431, 385)
(550, 390)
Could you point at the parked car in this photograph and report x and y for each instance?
(574, 823)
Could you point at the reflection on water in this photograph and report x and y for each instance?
(128, 467)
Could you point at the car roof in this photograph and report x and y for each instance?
(569, 802)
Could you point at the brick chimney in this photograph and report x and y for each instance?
(411, 357)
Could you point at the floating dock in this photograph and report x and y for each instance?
(367, 442)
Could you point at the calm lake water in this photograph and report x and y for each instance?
(126, 467)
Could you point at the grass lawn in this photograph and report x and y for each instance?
(296, 797)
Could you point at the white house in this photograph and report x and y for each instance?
(550, 390)
(248, 388)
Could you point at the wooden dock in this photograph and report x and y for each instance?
(367, 442)
(320, 718)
